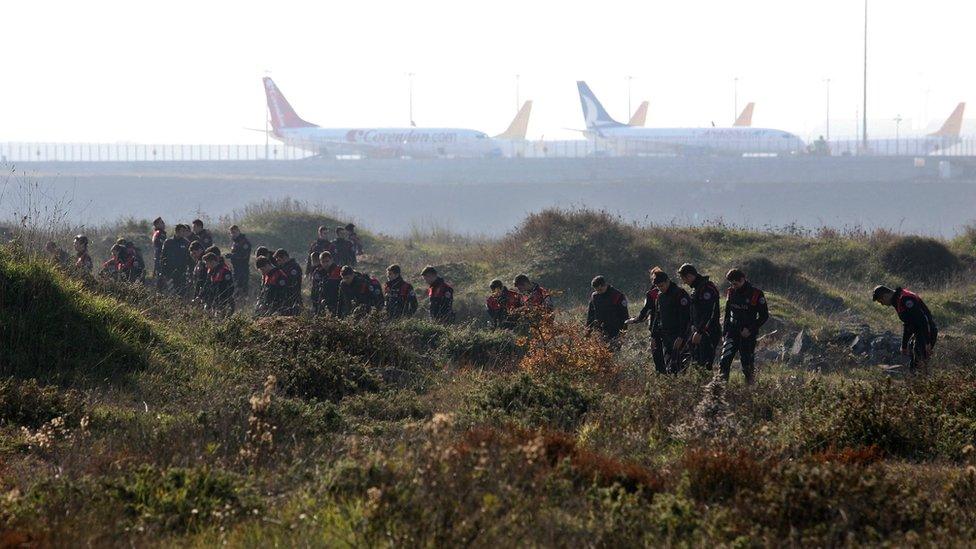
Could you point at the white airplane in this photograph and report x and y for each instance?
(625, 139)
(745, 119)
(292, 130)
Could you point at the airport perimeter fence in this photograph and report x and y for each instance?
(12, 152)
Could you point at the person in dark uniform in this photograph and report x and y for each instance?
(240, 259)
(220, 289)
(502, 305)
(607, 311)
(355, 293)
(353, 236)
(325, 285)
(83, 261)
(201, 235)
(919, 332)
(400, 300)
(275, 297)
(534, 296)
(745, 312)
(321, 244)
(672, 320)
(158, 238)
(138, 263)
(175, 261)
(294, 273)
(647, 313)
(440, 295)
(199, 281)
(343, 250)
(706, 327)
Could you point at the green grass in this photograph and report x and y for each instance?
(128, 418)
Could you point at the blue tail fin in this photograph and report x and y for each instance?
(594, 114)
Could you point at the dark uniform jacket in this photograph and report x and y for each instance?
(400, 299)
(608, 312)
(158, 237)
(745, 308)
(221, 288)
(357, 293)
(916, 317)
(673, 315)
(649, 309)
(503, 308)
(320, 245)
(294, 274)
(440, 294)
(538, 297)
(83, 262)
(344, 252)
(201, 281)
(175, 260)
(240, 255)
(203, 237)
(705, 310)
(325, 288)
(275, 297)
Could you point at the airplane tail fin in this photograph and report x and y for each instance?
(953, 125)
(282, 115)
(520, 124)
(594, 114)
(640, 116)
(745, 119)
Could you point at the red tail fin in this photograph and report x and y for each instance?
(282, 115)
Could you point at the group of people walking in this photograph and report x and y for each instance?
(686, 327)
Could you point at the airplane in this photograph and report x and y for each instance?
(934, 143)
(625, 139)
(640, 116)
(745, 119)
(413, 142)
(512, 141)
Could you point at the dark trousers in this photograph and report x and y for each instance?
(919, 353)
(673, 359)
(657, 354)
(242, 282)
(704, 352)
(746, 349)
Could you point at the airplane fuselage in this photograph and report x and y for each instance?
(415, 142)
(718, 140)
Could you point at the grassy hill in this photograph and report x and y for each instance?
(127, 417)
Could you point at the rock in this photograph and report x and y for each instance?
(860, 345)
(845, 337)
(801, 344)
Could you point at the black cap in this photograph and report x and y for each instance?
(496, 284)
(429, 269)
(347, 270)
(262, 251)
(880, 291)
(659, 277)
(687, 268)
(598, 282)
(81, 238)
(521, 279)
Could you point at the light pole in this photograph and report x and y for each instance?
(735, 97)
(827, 81)
(629, 79)
(410, 76)
(864, 113)
(518, 98)
(898, 120)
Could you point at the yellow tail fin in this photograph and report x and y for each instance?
(953, 125)
(745, 119)
(640, 116)
(520, 125)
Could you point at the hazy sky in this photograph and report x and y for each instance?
(189, 72)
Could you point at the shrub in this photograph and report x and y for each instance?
(29, 404)
(918, 258)
(559, 347)
(480, 348)
(716, 475)
(182, 500)
(547, 401)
